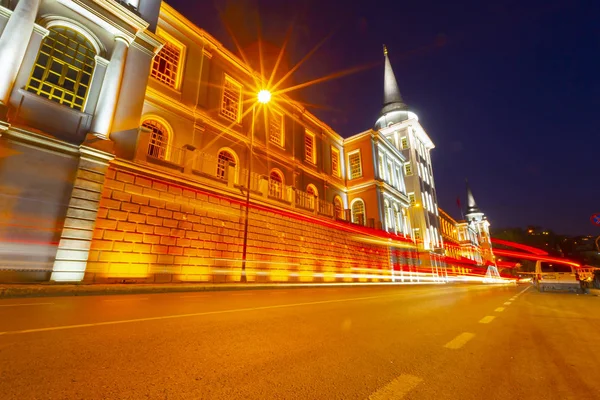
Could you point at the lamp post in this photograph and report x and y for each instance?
(263, 96)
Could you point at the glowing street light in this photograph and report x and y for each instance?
(264, 96)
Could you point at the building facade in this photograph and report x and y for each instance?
(135, 149)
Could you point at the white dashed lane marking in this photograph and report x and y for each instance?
(487, 319)
(499, 309)
(460, 340)
(397, 389)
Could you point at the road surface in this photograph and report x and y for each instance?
(374, 342)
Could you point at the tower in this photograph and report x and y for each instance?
(480, 224)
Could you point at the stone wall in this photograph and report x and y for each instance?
(151, 228)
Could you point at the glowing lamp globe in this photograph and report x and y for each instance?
(264, 96)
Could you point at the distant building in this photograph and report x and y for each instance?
(477, 222)
(401, 127)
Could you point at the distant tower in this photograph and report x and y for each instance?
(401, 127)
(480, 224)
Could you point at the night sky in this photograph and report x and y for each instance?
(507, 90)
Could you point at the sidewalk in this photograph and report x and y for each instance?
(8, 291)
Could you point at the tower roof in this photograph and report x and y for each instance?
(471, 205)
(392, 99)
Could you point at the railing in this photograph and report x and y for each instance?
(254, 180)
(208, 164)
(305, 200)
(326, 208)
(165, 152)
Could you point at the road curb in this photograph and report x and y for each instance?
(57, 290)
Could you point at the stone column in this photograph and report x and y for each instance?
(109, 94)
(13, 44)
(76, 237)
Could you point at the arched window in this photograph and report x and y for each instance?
(311, 191)
(338, 207)
(276, 184)
(64, 67)
(225, 159)
(358, 212)
(159, 138)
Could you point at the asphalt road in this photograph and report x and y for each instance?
(377, 342)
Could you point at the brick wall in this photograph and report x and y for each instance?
(152, 229)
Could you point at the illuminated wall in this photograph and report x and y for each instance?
(151, 229)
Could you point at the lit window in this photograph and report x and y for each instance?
(157, 146)
(358, 212)
(390, 173)
(63, 69)
(224, 160)
(399, 179)
(338, 207)
(398, 217)
(275, 185)
(381, 167)
(310, 153)
(335, 162)
(408, 169)
(355, 165)
(167, 64)
(232, 96)
(386, 212)
(404, 142)
(411, 198)
(276, 128)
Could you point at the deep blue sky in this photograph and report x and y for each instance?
(508, 90)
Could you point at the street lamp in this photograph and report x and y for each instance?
(263, 97)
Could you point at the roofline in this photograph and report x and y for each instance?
(171, 15)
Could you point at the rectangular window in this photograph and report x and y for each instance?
(310, 150)
(391, 173)
(412, 199)
(276, 128)
(399, 179)
(408, 169)
(381, 167)
(335, 162)
(355, 164)
(232, 98)
(168, 63)
(404, 142)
